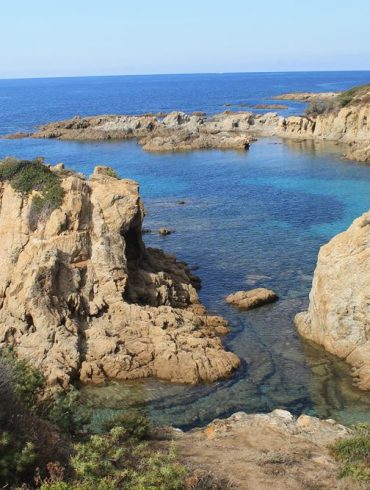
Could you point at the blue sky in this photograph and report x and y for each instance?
(112, 37)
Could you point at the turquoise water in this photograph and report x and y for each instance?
(250, 219)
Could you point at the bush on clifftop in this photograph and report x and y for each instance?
(27, 176)
(355, 94)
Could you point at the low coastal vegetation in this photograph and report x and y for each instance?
(353, 454)
(359, 94)
(45, 443)
(111, 173)
(33, 177)
(355, 95)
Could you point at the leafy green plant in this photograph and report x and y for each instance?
(353, 454)
(27, 176)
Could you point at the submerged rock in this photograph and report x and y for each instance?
(246, 300)
(165, 231)
(338, 317)
(81, 297)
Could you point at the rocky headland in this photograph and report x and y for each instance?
(82, 298)
(338, 317)
(340, 118)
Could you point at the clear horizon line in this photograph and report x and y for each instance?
(178, 74)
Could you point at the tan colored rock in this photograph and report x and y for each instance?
(82, 297)
(307, 96)
(338, 317)
(246, 300)
(178, 131)
(164, 231)
(263, 451)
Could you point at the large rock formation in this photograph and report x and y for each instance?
(176, 131)
(338, 317)
(81, 296)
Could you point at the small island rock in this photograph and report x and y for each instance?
(164, 231)
(253, 298)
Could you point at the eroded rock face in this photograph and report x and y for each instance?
(338, 317)
(82, 297)
(246, 300)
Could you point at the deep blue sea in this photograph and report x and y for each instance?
(250, 219)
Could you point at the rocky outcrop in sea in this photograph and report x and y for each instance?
(81, 297)
(345, 121)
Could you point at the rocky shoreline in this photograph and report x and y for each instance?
(345, 123)
(82, 298)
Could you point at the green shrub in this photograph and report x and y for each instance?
(115, 460)
(109, 460)
(16, 459)
(350, 95)
(26, 176)
(111, 173)
(61, 408)
(321, 106)
(353, 454)
(136, 425)
(65, 411)
(28, 382)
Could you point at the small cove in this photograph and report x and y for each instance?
(249, 219)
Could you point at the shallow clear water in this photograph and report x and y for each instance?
(250, 219)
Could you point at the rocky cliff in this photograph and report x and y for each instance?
(342, 118)
(81, 297)
(338, 317)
